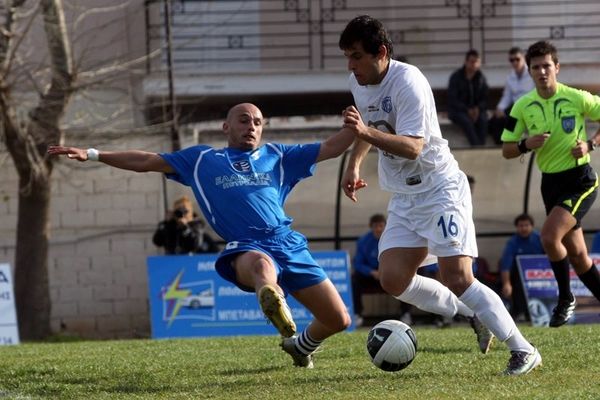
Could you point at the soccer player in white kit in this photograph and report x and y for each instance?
(431, 208)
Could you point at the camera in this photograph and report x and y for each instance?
(180, 212)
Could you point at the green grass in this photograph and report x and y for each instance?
(448, 366)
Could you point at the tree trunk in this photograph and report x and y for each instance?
(31, 278)
(27, 146)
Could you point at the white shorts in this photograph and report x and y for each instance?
(441, 220)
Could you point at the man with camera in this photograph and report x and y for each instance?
(182, 233)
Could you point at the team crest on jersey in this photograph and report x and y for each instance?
(386, 104)
(568, 124)
(241, 166)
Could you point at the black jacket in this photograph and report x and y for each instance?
(183, 239)
(464, 94)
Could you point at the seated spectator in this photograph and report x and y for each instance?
(182, 233)
(467, 96)
(365, 278)
(525, 241)
(517, 84)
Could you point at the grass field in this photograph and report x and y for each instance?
(448, 366)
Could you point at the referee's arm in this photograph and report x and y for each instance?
(515, 147)
(510, 150)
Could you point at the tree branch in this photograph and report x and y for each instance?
(12, 49)
(101, 73)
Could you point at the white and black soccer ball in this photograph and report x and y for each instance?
(392, 345)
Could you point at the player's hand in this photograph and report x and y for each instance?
(537, 141)
(580, 149)
(70, 152)
(351, 183)
(353, 121)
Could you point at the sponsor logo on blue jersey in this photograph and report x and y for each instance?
(241, 166)
(234, 180)
(568, 124)
(386, 104)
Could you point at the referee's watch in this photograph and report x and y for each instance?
(591, 145)
(522, 146)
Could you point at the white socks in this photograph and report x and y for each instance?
(490, 310)
(430, 295)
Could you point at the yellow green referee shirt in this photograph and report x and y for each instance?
(563, 116)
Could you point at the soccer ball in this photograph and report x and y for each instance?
(392, 345)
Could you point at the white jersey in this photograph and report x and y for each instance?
(403, 104)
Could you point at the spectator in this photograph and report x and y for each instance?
(182, 233)
(525, 241)
(365, 278)
(517, 84)
(467, 95)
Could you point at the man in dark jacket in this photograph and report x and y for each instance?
(467, 95)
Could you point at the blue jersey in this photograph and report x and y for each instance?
(367, 253)
(517, 246)
(241, 193)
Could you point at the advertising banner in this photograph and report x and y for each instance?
(541, 291)
(9, 330)
(189, 299)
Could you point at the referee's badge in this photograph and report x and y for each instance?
(568, 124)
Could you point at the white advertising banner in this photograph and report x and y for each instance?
(9, 330)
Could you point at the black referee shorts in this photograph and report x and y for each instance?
(574, 190)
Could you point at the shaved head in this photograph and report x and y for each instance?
(243, 126)
(241, 108)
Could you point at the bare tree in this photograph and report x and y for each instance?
(27, 133)
(27, 142)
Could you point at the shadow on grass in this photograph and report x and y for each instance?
(256, 370)
(445, 350)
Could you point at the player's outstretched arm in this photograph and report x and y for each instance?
(335, 144)
(132, 160)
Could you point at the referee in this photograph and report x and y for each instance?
(553, 118)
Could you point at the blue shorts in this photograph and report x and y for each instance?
(295, 267)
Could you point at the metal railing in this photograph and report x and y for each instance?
(302, 35)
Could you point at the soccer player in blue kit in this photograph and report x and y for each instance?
(241, 190)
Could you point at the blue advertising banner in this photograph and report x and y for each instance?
(189, 299)
(541, 291)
